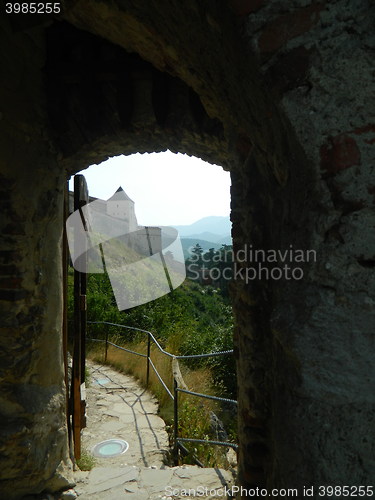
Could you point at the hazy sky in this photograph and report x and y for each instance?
(166, 188)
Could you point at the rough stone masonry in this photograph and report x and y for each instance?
(280, 94)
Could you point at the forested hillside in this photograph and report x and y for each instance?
(198, 318)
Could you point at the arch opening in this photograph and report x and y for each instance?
(132, 107)
(196, 318)
(265, 104)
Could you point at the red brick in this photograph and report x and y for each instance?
(340, 202)
(339, 153)
(245, 7)
(367, 129)
(287, 27)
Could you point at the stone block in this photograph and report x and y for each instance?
(339, 153)
(286, 27)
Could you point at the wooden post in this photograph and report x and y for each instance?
(148, 359)
(175, 422)
(78, 416)
(106, 347)
(65, 303)
(83, 306)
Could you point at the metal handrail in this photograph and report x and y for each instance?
(187, 356)
(207, 396)
(127, 350)
(209, 441)
(177, 440)
(161, 379)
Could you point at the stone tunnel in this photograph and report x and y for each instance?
(276, 92)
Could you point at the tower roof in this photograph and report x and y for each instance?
(120, 195)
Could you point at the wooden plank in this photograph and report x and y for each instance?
(80, 199)
(83, 200)
(65, 305)
(76, 417)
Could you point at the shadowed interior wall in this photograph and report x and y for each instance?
(280, 98)
(34, 444)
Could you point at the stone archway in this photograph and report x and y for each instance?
(261, 95)
(112, 101)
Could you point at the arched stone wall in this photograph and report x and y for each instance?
(285, 108)
(103, 100)
(34, 445)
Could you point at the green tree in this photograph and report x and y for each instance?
(209, 258)
(197, 252)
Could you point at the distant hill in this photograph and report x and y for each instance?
(225, 240)
(187, 243)
(214, 224)
(214, 231)
(207, 236)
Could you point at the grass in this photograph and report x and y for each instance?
(86, 462)
(194, 413)
(87, 377)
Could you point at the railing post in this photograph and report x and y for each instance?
(148, 358)
(175, 422)
(106, 347)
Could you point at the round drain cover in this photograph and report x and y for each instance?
(101, 381)
(110, 448)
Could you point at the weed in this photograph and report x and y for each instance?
(86, 462)
(87, 376)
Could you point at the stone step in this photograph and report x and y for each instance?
(119, 408)
(147, 483)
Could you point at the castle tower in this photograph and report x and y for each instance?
(121, 206)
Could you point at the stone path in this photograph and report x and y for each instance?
(118, 408)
